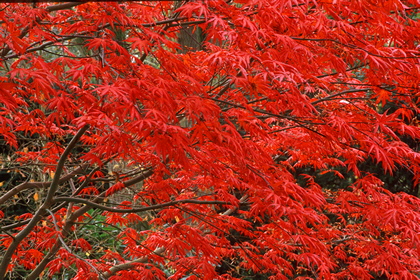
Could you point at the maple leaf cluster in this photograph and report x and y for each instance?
(269, 139)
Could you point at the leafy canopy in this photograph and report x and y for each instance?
(191, 139)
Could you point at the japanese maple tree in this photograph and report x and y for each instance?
(189, 139)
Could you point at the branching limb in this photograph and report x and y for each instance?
(40, 185)
(113, 270)
(71, 221)
(63, 243)
(43, 209)
(136, 210)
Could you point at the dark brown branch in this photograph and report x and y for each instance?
(353, 47)
(70, 221)
(264, 112)
(338, 94)
(113, 270)
(49, 9)
(136, 210)
(60, 166)
(43, 209)
(349, 69)
(40, 185)
(63, 6)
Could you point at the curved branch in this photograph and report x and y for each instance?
(128, 265)
(113, 270)
(49, 9)
(70, 222)
(338, 94)
(40, 185)
(62, 6)
(60, 238)
(43, 209)
(60, 166)
(136, 210)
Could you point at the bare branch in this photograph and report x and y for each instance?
(130, 264)
(136, 210)
(40, 185)
(43, 209)
(339, 93)
(70, 221)
(63, 6)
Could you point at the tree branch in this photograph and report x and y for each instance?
(113, 270)
(40, 185)
(339, 93)
(43, 209)
(49, 9)
(135, 210)
(63, 6)
(69, 223)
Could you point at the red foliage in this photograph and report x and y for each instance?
(189, 139)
